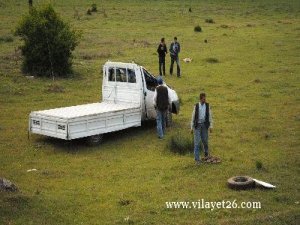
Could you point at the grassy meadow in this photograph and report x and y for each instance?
(253, 88)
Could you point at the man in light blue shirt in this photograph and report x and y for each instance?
(200, 124)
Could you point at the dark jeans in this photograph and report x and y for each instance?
(162, 65)
(173, 59)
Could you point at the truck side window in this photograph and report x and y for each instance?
(121, 75)
(151, 81)
(131, 76)
(111, 74)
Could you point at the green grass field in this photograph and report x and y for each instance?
(253, 91)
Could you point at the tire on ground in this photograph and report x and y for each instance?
(95, 139)
(169, 119)
(240, 183)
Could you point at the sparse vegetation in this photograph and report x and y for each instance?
(181, 144)
(224, 26)
(6, 38)
(55, 88)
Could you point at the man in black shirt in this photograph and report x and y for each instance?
(162, 51)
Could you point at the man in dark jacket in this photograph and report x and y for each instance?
(162, 51)
(174, 53)
(200, 124)
(161, 101)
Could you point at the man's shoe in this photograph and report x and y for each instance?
(197, 163)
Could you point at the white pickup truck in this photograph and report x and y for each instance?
(127, 99)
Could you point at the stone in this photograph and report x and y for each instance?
(6, 185)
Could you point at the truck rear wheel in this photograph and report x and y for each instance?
(95, 139)
(169, 119)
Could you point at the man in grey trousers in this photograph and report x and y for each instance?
(200, 124)
(174, 53)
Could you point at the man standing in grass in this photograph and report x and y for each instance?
(161, 101)
(200, 124)
(162, 51)
(174, 53)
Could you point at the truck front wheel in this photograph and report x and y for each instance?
(169, 119)
(95, 139)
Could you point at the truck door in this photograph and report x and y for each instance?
(150, 83)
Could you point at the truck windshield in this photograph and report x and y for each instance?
(151, 82)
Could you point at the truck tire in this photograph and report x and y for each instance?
(95, 139)
(169, 119)
(240, 183)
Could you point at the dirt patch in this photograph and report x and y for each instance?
(212, 60)
(55, 88)
(141, 43)
(93, 56)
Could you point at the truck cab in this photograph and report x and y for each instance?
(129, 82)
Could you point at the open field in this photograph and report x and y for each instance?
(254, 91)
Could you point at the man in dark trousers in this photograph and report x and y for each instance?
(162, 51)
(161, 101)
(174, 53)
(200, 124)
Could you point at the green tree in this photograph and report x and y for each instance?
(48, 43)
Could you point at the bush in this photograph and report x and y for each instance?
(198, 29)
(258, 165)
(209, 20)
(94, 8)
(48, 42)
(89, 12)
(181, 144)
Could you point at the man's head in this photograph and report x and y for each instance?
(175, 39)
(162, 40)
(202, 97)
(159, 81)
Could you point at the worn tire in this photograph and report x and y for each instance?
(95, 139)
(169, 119)
(241, 183)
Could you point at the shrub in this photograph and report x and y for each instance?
(181, 144)
(89, 12)
(198, 29)
(48, 42)
(209, 20)
(258, 165)
(94, 8)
